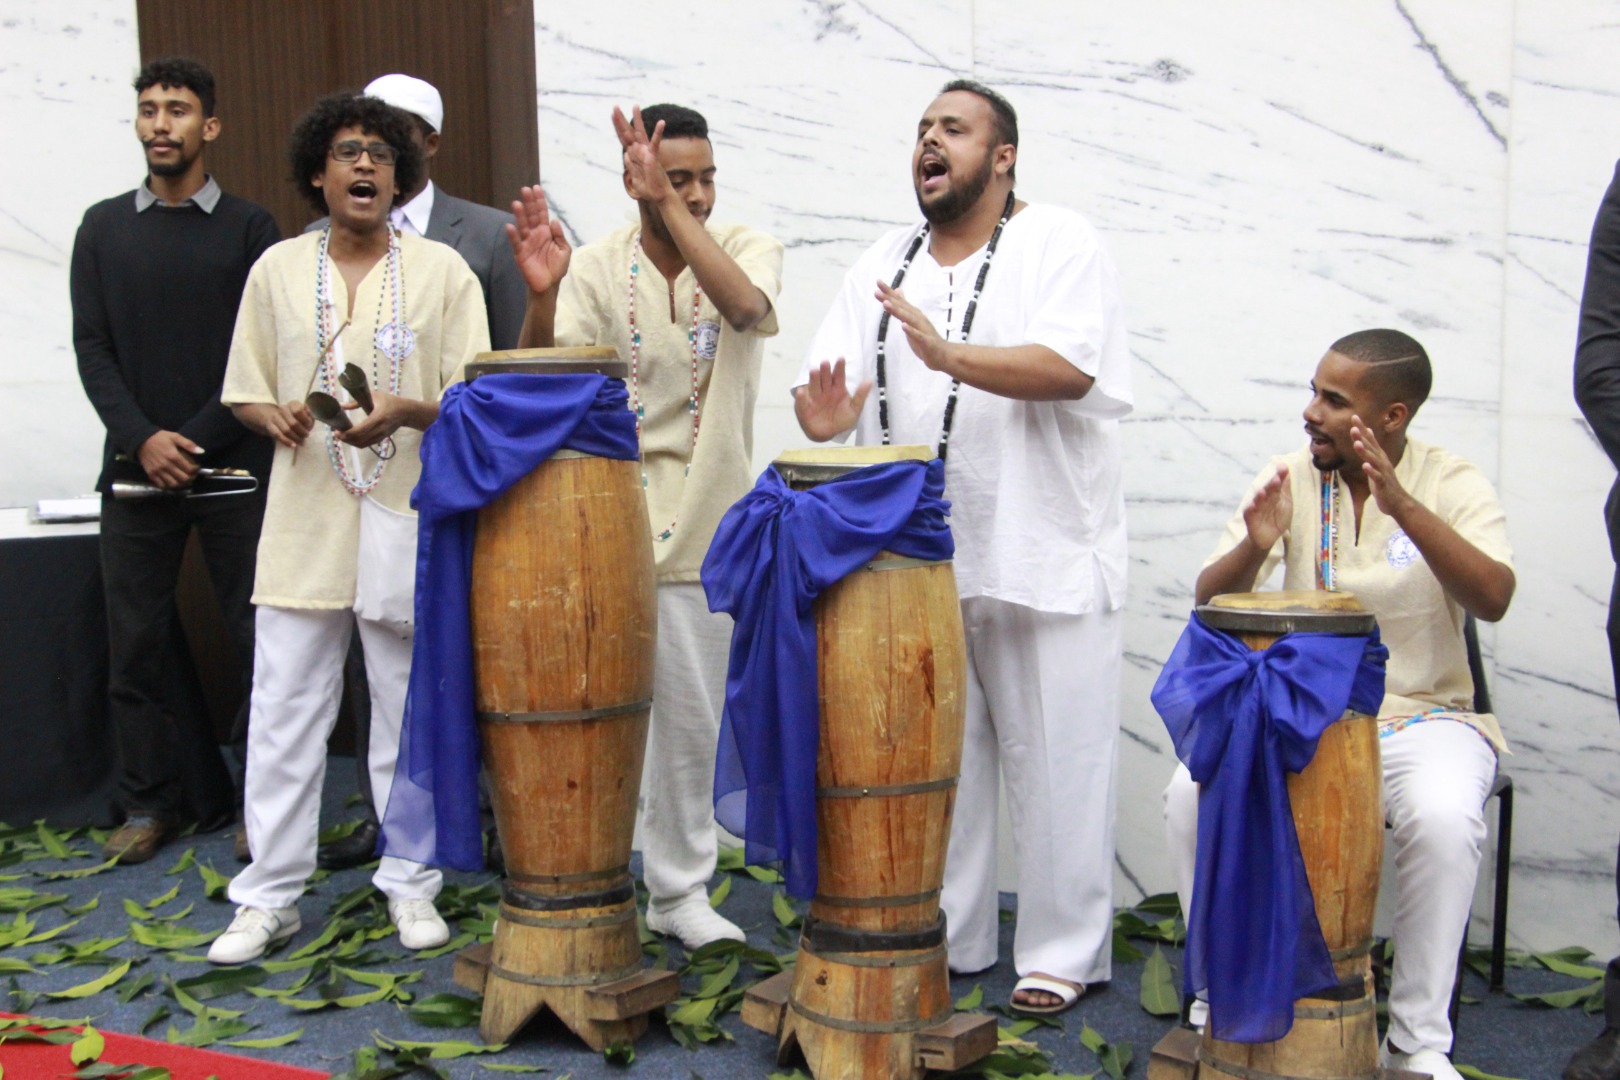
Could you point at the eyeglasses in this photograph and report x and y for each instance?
(380, 153)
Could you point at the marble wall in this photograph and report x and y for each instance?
(1268, 176)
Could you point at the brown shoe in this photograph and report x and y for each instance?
(241, 845)
(137, 839)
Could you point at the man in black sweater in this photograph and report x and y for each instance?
(156, 279)
(1597, 392)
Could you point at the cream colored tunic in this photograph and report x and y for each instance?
(593, 308)
(1417, 620)
(308, 549)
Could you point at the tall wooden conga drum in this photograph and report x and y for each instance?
(1338, 814)
(870, 993)
(564, 616)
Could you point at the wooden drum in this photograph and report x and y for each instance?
(1338, 814)
(564, 615)
(871, 974)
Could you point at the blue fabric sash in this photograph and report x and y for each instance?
(490, 434)
(1240, 720)
(774, 553)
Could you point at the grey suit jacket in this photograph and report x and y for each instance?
(478, 233)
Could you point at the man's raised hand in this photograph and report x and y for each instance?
(1270, 511)
(538, 244)
(825, 406)
(1378, 469)
(646, 175)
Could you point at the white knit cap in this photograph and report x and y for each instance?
(411, 94)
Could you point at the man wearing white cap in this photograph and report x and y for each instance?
(478, 233)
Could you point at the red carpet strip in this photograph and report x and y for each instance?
(43, 1061)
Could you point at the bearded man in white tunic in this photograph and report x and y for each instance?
(994, 329)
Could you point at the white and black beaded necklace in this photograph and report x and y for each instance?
(967, 326)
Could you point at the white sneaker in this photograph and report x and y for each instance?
(251, 932)
(1432, 1062)
(1198, 1015)
(419, 922)
(693, 922)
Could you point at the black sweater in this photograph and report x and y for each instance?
(154, 305)
(1597, 352)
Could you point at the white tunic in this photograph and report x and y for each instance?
(1037, 500)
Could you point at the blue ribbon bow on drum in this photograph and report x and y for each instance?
(1240, 720)
(775, 551)
(490, 434)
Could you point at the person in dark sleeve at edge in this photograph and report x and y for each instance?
(156, 279)
(1597, 392)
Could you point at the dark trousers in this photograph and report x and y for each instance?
(170, 766)
(1614, 662)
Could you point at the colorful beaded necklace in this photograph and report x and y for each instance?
(693, 405)
(1327, 563)
(393, 339)
(967, 326)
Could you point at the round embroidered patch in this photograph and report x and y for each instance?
(396, 340)
(708, 339)
(1401, 552)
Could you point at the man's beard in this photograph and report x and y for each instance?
(958, 200)
(176, 167)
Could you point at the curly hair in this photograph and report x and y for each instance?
(180, 73)
(312, 140)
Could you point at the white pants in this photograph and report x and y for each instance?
(1043, 713)
(297, 679)
(678, 839)
(1436, 777)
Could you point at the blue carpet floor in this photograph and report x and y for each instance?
(58, 933)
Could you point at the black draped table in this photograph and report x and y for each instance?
(57, 759)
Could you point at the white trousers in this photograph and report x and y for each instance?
(678, 838)
(297, 679)
(1436, 777)
(1043, 714)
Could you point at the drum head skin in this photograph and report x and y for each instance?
(591, 360)
(814, 465)
(1287, 612)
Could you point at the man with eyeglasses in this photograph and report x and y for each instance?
(339, 544)
(478, 233)
(157, 275)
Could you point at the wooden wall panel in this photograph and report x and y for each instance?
(273, 58)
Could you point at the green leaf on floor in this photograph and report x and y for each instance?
(18, 898)
(446, 1011)
(209, 1030)
(1115, 1058)
(438, 1051)
(337, 832)
(1556, 963)
(156, 935)
(74, 875)
(796, 1074)
(186, 862)
(196, 1008)
(1124, 951)
(92, 951)
(764, 874)
(52, 843)
(135, 987)
(269, 1043)
(155, 1017)
(87, 1047)
(513, 1068)
(21, 1000)
(1477, 1074)
(10, 966)
(455, 944)
(784, 910)
(222, 981)
(158, 901)
(1158, 995)
(972, 999)
(94, 986)
(214, 882)
(721, 891)
(1563, 999)
(619, 1053)
(85, 908)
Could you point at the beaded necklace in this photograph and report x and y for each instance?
(692, 403)
(393, 339)
(1327, 563)
(967, 326)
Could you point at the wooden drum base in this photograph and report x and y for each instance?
(863, 1015)
(584, 964)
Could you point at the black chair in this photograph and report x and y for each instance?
(1502, 791)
